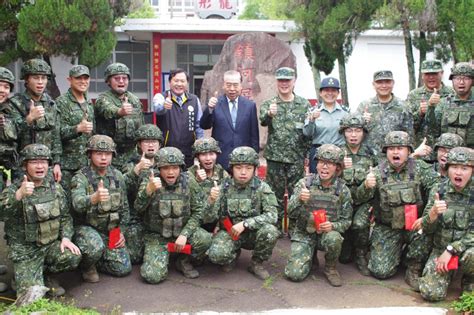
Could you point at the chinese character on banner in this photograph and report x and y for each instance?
(239, 51)
(225, 4)
(248, 52)
(247, 75)
(248, 93)
(204, 4)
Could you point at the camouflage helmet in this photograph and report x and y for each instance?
(449, 141)
(149, 132)
(101, 143)
(7, 76)
(204, 145)
(35, 151)
(331, 153)
(462, 68)
(170, 156)
(243, 155)
(397, 139)
(35, 66)
(116, 68)
(354, 120)
(461, 156)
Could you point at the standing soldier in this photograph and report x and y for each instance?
(207, 174)
(447, 217)
(40, 114)
(77, 123)
(38, 225)
(247, 207)
(444, 144)
(171, 205)
(100, 206)
(119, 113)
(357, 162)
(327, 192)
(396, 186)
(286, 146)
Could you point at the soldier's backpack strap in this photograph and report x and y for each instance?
(184, 180)
(339, 186)
(383, 174)
(225, 190)
(411, 169)
(87, 171)
(53, 185)
(309, 180)
(442, 189)
(114, 183)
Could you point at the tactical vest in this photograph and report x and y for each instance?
(394, 195)
(457, 221)
(169, 210)
(458, 118)
(8, 148)
(42, 217)
(106, 216)
(240, 204)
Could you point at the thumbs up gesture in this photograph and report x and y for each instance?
(370, 180)
(26, 189)
(36, 112)
(200, 173)
(212, 101)
(315, 114)
(168, 102)
(422, 150)
(84, 126)
(423, 106)
(439, 206)
(434, 98)
(273, 109)
(127, 108)
(347, 161)
(144, 164)
(215, 191)
(3, 121)
(154, 183)
(101, 194)
(304, 193)
(367, 116)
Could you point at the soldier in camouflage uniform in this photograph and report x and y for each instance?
(286, 148)
(384, 112)
(357, 162)
(99, 204)
(171, 206)
(38, 225)
(430, 94)
(395, 186)
(251, 207)
(77, 123)
(149, 139)
(207, 174)
(119, 113)
(324, 190)
(455, 113)
(449, 216)
(38, 114)
(443, 145)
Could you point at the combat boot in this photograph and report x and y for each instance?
(258, 270)
(55, 289)
(90, 275)
(184, 265)
(361, 262)
(412, 276)
(332, 274)
(230, 267)
(467, 284)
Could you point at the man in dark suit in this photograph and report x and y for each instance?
(233, 118)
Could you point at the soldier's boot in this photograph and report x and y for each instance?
(258, 270)
(346, 255)
(230, 267)
(412, 276)
(467, 283)
(331, 273)
(183, 264)
(55, 289)
(90, 275)
(361, 262)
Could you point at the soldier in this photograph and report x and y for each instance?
(357, 161)
(171, 206)
(207, 174)
(39, 114)
(396, 186)
(100, 206)
(447, 216)
(248, 207)
(118, 112)
(455, 113)
(385, 112)
(77, 123)
(444, 144)
(38, 226)
(149, 139)
(285, 115)
(327, 192)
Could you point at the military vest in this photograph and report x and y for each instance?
(239, 204)
(8, 148)
(169, 210)
(42, 216)
(394, 195)
(458, 118)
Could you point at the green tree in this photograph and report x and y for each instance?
(267, 10)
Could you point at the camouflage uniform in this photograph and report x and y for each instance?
(448, 141)
(453, 114)
(93, 222)
(452, 228)
(253, 203)
(35, 226)
(74, 143)
(109, 122)
(392, 192)
(336, 200)
(171, 211)
(286, 146)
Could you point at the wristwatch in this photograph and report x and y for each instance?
(450, 249)
(246, 225)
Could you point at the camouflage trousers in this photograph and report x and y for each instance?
(281, 176)
(95, 252)
(224, 249)
(156, 256)
(134, 233)
(357, 236)
(30, 262)
(434, 285)
(387, 248)
(303, 249)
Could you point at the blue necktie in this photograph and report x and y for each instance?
(233, 112)
(179, 100)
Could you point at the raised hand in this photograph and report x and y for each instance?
(212, 101)
(370, 180)
(127, 108)
(434, 98)
(26, 189)
(200, 173)
(168, 102)
(215, 191)
(304, 193)
(367, 116)
(154, 183)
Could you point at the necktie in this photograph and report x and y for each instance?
(179, 100)
(233, 112)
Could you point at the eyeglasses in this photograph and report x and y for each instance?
(461, 79)
(118, 78)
